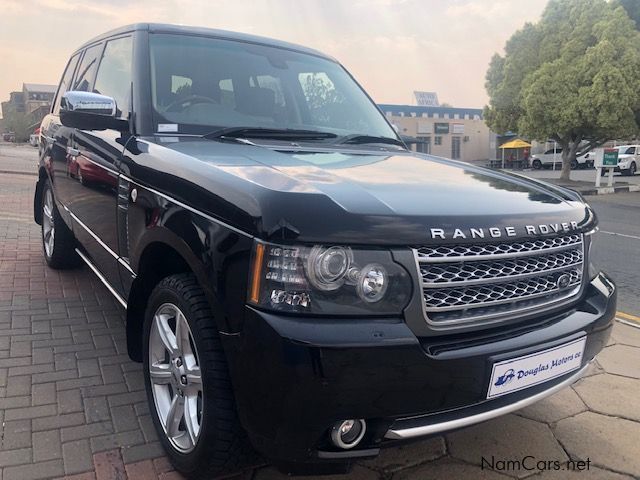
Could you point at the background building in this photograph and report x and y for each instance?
(15, 104)
(457, 133)
(36, 95)
(24, 110)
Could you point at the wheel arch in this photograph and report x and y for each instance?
(37, 196)
(160, 256)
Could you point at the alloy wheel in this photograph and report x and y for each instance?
(48, 225)
(176, 380)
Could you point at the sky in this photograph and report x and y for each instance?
(392, 47)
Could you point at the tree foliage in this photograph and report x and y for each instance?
(573, 77)
(633, 10)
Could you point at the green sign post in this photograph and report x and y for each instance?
(610, 157)
(606, 159)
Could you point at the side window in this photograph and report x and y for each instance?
(631, 151)
(87, 69)
(114, 74)
(65, 83)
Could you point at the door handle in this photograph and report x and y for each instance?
(73, 152)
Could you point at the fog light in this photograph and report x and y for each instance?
(348, 433)
(372, 283)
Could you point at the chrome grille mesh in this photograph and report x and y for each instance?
(452, 272)
(439, 253)
(450, 298)
(477, 283)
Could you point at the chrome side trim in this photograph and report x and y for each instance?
(100, 242)
(126, 265)
(187, 207)
(102, 279)
(401, 434)
(90, 232)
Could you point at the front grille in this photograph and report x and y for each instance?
(485, 283)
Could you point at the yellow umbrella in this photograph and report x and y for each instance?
(517, 143)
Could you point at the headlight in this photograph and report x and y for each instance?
(591, 237)
(331, 280)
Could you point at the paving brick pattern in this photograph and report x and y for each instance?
(73, 405)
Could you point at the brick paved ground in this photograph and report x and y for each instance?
(71, 402)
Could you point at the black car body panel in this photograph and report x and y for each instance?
(144, 204)
(368, 194)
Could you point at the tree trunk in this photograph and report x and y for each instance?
(568, 156)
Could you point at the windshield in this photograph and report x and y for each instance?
(199, 84)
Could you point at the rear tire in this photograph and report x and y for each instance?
(205, 438)
(574, 164)
(58, 242)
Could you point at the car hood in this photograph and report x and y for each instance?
(358, 196)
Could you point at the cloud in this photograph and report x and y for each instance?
(392, 46)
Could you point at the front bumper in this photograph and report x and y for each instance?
(295, 377)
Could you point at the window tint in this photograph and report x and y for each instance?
(65, 83)
(630, 151)
(326, 104)
(180, 84)
(271, 83)
(227, 97)
(114, 74)
(87, 69)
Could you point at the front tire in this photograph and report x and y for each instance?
(631, 171)
(58, 242)
(536, 164)
(187, 382)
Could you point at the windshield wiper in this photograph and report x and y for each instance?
(271, 133)
(358, 139)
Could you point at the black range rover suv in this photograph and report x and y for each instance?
(295, 279)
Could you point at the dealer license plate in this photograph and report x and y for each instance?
(517, 373)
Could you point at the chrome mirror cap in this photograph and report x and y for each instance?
(88, 102)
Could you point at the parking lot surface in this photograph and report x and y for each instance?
(72, 403)
(584, 175)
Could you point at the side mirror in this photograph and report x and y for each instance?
(90, 111)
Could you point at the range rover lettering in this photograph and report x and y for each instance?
(298, 284)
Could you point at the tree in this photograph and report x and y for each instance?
(633, 10)
(574, 77)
